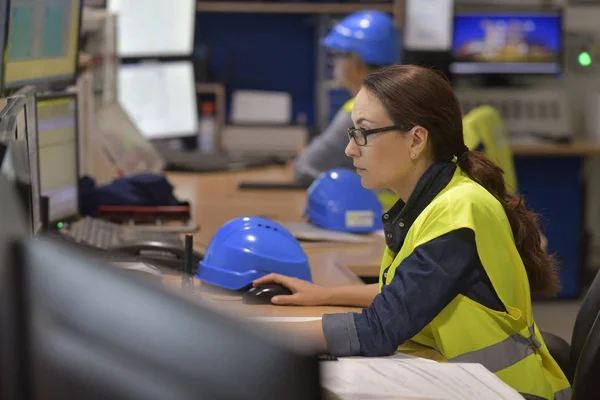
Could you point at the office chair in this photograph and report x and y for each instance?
(567, 356)
(586, 384)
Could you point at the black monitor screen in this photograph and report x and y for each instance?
(89, 331)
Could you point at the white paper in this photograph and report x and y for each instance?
(285, 319)
(398, 356)
(428, 25)
(412, 378)
(306, 231)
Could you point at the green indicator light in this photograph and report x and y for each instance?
(584, 59)
(60, 225)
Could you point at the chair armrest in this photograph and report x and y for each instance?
(560, 350)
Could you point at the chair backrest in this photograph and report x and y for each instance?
(484, 130)
(590, 307)
(586, 384)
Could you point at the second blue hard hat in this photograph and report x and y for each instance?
(338, 201)
(370, 34)
(247, 248)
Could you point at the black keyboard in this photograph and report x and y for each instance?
(196, 161)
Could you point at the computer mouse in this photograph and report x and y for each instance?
(264, 293)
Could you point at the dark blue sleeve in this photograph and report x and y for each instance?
(424, 284)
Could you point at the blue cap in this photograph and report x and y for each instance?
(369, 33)
(247, 248)
(338, 201)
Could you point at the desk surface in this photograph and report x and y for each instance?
(216, 199)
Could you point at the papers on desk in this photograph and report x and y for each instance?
(411, 378)
(306, 231)
(285, 319)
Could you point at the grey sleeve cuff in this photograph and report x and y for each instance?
(340, 334)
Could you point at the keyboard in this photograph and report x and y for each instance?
(196, 161)
(104, 234)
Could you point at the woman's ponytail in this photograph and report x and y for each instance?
(541, 267)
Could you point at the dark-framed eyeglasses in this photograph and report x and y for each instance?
(360, 134)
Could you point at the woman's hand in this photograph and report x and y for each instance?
(303, 293)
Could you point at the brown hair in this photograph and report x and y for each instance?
(424, 97)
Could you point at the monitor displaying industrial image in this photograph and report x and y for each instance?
(42, 42)
(507, 43)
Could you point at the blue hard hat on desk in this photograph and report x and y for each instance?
(247, 248)
(338, 201)
(369, 33)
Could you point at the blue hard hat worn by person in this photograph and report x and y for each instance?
(338, 201)
(369, 34)
(247, 248)
(360, 43)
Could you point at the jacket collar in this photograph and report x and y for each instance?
(398, 220)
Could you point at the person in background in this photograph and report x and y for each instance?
(360, 43)
(463, 254)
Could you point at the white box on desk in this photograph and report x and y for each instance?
(281, 140)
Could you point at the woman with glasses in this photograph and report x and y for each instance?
(463, 255)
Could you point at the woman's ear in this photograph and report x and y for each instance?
(420, 136)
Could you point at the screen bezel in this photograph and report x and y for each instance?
(27, 96)
(4, 30)
(8, 134)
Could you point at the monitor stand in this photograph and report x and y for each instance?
(502, 81)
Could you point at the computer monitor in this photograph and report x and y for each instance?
(13, 226)
(15, 168)
(160, 98)
(498, 42)
(13, 221)
(86, 330)
(4, 13)
(26, 119)
(154, 28)
(13, 133)
(43, 40)
(57, 150)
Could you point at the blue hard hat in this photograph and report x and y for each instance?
(247, 248)
(371, 34)
(338, 201)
